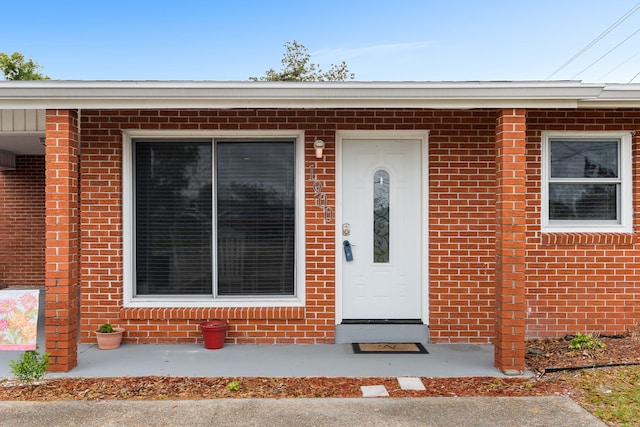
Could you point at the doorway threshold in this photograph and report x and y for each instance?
(381, 322)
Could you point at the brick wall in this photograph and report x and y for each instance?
(462, 176)
(461, 224)
(580, 282)
(22, 223)
(573, 282)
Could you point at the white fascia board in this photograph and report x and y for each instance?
(191, 94)
(615, 96)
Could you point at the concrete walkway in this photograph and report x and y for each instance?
(476, 412)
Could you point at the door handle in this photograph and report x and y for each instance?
(348, 253)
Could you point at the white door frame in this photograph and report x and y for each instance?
(423, 136)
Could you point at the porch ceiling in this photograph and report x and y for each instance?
(207, 94)
(22, 143)
(21, 130)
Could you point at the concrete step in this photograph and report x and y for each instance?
(381, 333)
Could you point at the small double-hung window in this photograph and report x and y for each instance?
(586, 183)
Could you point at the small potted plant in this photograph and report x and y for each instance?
(109, 337)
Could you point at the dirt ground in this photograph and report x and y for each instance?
(550, 359)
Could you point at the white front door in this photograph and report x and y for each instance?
(381, 221)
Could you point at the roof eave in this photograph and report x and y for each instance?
(181, 94)
(615, 96)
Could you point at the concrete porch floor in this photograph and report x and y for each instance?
(290, 360)
(334, 360)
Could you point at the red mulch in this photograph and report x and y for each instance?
(547, 354)
(146, 388)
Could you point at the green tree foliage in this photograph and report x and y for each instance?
(15, 67)
(297, 67)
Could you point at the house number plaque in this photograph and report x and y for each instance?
(321, 198)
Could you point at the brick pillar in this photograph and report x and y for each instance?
(62, 239)
(509, 341)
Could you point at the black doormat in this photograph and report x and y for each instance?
(395, 347)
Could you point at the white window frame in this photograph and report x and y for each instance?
(208, 301)
(625, 222)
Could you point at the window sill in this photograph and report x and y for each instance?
(227, 313)
(571, 239)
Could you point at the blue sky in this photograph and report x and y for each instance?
(394, 40)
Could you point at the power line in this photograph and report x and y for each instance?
(597, 39)
(619, 65)
(606, 53)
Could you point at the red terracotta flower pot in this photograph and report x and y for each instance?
(214, 333)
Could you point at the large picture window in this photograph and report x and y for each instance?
(255, 218)
(587, 182)
(213, 218)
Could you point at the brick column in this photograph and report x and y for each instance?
(62, 239)
(509, 341)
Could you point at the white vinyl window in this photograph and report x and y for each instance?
(586, 182)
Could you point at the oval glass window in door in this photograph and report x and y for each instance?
(381, 216)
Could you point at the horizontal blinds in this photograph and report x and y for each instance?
(583, 202)
(255, 202)
(585, 180)
(173, 217)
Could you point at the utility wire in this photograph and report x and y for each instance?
(619, 65)
(596, 40)
(606, 53)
